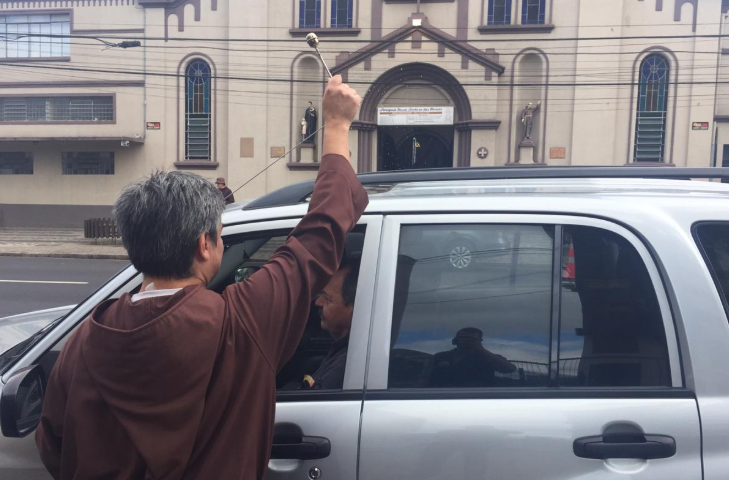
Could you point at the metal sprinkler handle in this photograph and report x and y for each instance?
(313, 41)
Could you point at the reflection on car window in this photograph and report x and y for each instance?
(472, 306)
(612, 332)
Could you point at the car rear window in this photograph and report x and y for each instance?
(713, 240)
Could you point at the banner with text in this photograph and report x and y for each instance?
(393, 116)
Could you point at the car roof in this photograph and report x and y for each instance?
(607, 197)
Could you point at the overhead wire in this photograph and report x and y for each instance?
(521, 39)
(571, 104)
(359, 82)
(286, 29)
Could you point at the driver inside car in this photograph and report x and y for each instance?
(335, 305)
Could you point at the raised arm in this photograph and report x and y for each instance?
(273, 304)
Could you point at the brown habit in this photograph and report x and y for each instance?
(183, 387)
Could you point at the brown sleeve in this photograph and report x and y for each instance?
(50, 430)
(273, 304)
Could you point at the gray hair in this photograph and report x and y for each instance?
(161, 219)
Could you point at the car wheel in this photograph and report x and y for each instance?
(460, 254)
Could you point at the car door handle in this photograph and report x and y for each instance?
(301, 448)
(626, 445)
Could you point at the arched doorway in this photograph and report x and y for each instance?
(406, 143)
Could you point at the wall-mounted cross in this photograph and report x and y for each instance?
(418, 10)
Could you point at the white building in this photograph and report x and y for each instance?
(220, 87)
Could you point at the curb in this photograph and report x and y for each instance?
(94, 256)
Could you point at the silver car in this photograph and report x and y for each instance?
(581, 335)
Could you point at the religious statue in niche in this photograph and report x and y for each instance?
(527, 120)
(308, 124)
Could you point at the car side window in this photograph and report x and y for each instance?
(472, 306)
(475, 307)
(320, 358)
(713, 238)
(611, 327)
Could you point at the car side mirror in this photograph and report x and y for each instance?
(21, 402)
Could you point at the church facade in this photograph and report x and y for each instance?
(227, 88)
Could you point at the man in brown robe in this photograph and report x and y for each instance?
(178, 382)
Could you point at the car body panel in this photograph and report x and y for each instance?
(519, 439)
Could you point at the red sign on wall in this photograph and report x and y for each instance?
(154, 125)
(700, 126)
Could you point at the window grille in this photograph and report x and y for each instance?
(57, 109)
(16, 163)
(88, 163)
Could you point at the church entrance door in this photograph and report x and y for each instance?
(414, 147)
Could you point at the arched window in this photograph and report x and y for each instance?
(650, 127)
(309, 13)
(533, 12)
(499, 12)
(198, 109)
(342, 13)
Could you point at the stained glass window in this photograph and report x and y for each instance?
(650, 133)
(197, 111)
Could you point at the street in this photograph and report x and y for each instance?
(31, 283)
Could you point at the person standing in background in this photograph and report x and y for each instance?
(227, 194)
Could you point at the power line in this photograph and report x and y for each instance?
(294, 80)
(572, 104)
(265, 52)
(286, 29)
(382, 41)
(264, 66)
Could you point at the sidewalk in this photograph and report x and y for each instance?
(57, 243)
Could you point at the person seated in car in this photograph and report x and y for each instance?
(469, 364)
(336, 304)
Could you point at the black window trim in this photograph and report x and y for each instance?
(299, 396)
(528, 393)
(709, 265)
(555, 318)
(679, 391)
